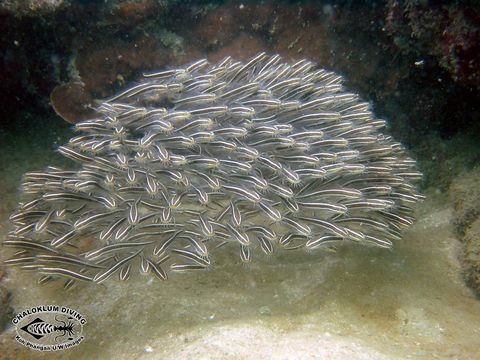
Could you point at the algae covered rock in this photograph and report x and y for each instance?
(471, 261)
(465, 194)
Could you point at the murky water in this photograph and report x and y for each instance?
(356, 302)
(411, 61)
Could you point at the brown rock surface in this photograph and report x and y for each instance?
(242, 47)
(104, 66)
(218, 27)
(71, 102)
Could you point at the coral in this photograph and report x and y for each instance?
(189, 52)
(449, 33)
(171, 41)
(262, 156)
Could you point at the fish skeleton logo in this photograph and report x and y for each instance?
(39, 328)
(49, 327)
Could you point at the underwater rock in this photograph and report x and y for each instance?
(307, 41)
(471, 261)
(465, 194)
(258, 18)
(242, 47)
(132, 13)
(33, 7)
(104, 67)
(262, 156)
(449, 33)
(6, 311)
(218, 27)
(71, 102)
